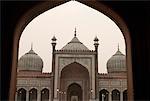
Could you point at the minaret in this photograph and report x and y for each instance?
(96, 66)
(53, 63)
(53, 53)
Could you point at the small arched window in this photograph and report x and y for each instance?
(115, 95)
(21, 95)
(33, 95)
(103, 95)
(45, 95)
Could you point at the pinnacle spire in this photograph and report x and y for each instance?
(75, 32)
(96, 39)
(54, 38)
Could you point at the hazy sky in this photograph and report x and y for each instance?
(61, 22)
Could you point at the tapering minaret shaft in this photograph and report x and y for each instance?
(53, 64)
(96, 65)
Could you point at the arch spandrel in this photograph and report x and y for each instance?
(85, 62)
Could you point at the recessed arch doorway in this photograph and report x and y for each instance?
(74, 83)
(74, 92)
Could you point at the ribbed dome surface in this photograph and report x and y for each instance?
(30, 62)
(117, 63)
(75, 44)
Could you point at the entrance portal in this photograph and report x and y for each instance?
(74, 83)
(74, 92)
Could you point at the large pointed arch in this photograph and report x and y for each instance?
(75, 66)
(77, 75)
(42, 7)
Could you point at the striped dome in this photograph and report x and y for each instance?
(30, 62)
(117, 63)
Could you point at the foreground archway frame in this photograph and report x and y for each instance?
(46, 5)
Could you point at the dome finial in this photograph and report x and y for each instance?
(31, 46)
(75, 32)
(118, 47)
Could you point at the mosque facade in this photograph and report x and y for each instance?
(74, 75)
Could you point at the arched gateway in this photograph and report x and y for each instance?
(74, 83)
(75, 70)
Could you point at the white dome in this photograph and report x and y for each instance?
(30, 62)
(75, 44)
(117, 63)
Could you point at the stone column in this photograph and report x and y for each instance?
(121, 96)
(110, 97)
(39, 95)
(27, 96)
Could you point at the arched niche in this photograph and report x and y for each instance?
(115, 95)
(45, 94)
(44, 6)
(103, 95)
(33, 94)
(21, 94)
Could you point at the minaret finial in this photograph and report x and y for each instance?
(118, 47)
(31, 46)
(75, 32)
